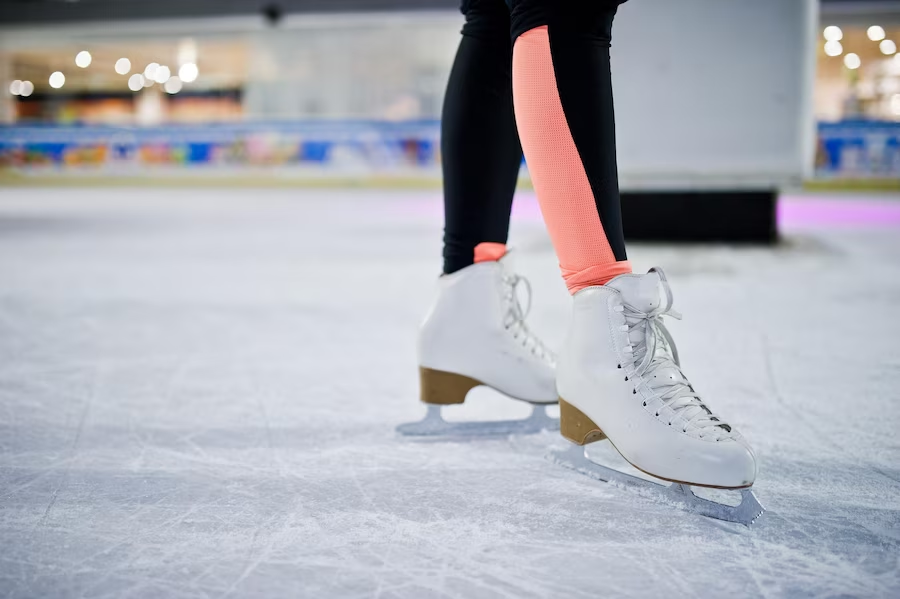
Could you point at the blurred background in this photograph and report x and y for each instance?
(221, 224)
(307, 89)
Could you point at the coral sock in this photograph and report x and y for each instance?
(488, 251)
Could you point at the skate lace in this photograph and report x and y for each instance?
(656, 361)
(514, 320)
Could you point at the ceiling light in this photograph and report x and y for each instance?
(173, 85)
(123, 66)
(136, 82)
(150, 71)
(57, 80)
(188, 72)
(83, 59)
(875, 33)
(833, 33)
(162, 74)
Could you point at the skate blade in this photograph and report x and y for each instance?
(434, 425)
(746, 513)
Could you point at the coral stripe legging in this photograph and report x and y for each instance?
(559, 85)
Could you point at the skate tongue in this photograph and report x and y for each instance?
(641, 292)
(508, 261)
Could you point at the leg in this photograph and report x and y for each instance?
(618, 375)
(480, 147)
(564, 107)
(475, 332)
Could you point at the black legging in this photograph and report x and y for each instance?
(480, 145)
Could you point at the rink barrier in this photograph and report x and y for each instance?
(307, 148)
(858, 150)
(847, 150)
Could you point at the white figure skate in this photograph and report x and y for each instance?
(619, 378)
(475, 334)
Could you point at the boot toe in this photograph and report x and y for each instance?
(737, 466)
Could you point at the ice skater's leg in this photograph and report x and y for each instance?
(618, 374)
(475, 332)
(480, 147)
(564, 109)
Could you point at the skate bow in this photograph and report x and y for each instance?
(514, 320)
(657, 365)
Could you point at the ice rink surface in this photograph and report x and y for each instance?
(199, 389)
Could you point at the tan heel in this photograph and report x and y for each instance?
(444, 388)
(576, 427)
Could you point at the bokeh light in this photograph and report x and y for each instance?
(875, 33)
(57, 80)
(123, 66)
(150, 71)
(136, 82)
(188, 72)
(173, 85)
(162, 74)
(833, 33)
(833, 48)
(83, 59)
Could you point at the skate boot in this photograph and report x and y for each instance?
(475, 334)
(619, 378)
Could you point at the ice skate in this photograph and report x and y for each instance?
(619, 378)
(475, 334)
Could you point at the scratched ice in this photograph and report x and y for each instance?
(199, 389)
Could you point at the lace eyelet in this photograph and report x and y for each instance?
(645, 404)
(634, 392)
(626, 378)
(618, 365)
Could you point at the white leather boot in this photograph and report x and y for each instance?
(475, 334)
(618, 376)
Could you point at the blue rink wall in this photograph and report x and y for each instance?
(324, 147)
(847, 149)
(858, 149)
